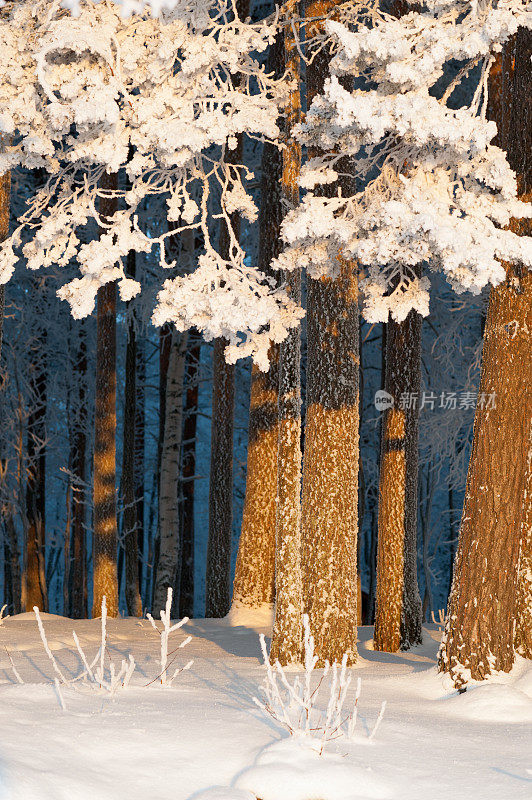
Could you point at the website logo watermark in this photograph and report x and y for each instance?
(448, 401)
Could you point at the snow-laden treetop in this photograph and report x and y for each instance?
(431, 188)
(163, 99)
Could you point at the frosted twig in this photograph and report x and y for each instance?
(15, 672)
(379, 720)
(46, 647)
(60, 694)
(167, 629)
(83, 657)
(2, 618)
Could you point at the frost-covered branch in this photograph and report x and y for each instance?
(164, 633)
(432, 188)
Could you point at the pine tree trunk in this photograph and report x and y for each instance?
(78, 555)
(169, 534)
(188, 470)
(287, 632)
(129, 504)
(255, 565)
(523, 628)
(105, 578)
(483, 607)
(398, 617)
(330, 463)
(218, 597)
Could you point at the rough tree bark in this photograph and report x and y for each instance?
(287, 632)
(129, 504)
(105, 577)
(220, 485)
(398, 619)
(255, 564)
(481, 620)
(330, 463)
(169, 534)
(140, 430)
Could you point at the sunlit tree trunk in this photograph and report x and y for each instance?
(287, 632)
(129, 504)
(169, 534)
(398, 605)
(483, 607)
(330, 465)
(255, 565)
(105, 577)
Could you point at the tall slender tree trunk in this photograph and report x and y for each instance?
(105, 577)
(217, 582)
(188, 471)
(220, 485)
(398, 618)
(330, 464)
(78, 552)
(35, 591)
(254, 582)
(287, 632)
(169, 534)
(140, 429)
(129, 503)
(483, 606)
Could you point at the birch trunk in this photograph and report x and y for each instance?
(398, 620)
(287, 632)
(330, 463)
(483, 606)
(169, 534)
(254, 582)
(105, 578)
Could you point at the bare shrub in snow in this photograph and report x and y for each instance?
(295, 705)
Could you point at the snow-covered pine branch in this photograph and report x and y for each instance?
(433, 189)
(161, 99)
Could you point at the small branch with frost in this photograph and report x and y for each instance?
(15, 672)
(46, 647)
(167, 629)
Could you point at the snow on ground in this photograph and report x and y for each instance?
(205, 739)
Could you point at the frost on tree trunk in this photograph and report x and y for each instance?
(129, 505)
(481, 622)
(255, 564)
(287, 632)
(218, 597)
(169, 539)
(398, 617)
(105, 578)
(330, 463)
